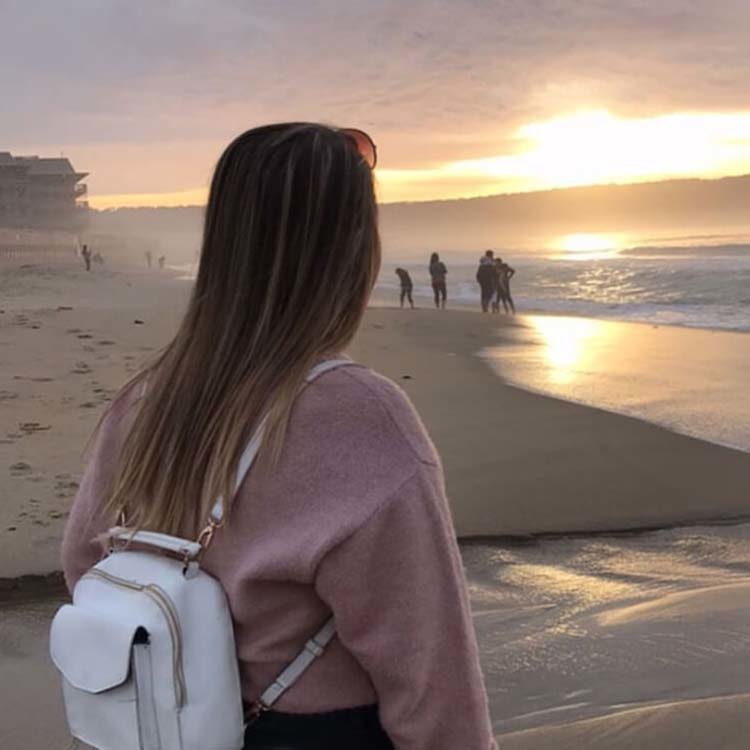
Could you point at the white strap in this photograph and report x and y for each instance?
(251, 451)
(182, 547)
(312, 650)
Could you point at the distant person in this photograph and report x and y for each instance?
(504, 274)
(438, 272)
(86, 255)
(149, 258)
(406, 286)
(487, 279)
(162, 260)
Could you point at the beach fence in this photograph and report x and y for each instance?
(38, 246)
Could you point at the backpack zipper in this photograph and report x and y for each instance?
(162, 600)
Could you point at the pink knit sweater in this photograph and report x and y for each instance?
(352, 520)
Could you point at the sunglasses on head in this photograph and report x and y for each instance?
(364, 145)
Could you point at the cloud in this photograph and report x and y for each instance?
(145, 94)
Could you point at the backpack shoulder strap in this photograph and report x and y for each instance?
(313, 649)
(316, 646)
(251, 451)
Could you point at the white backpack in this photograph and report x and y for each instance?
(147, 652)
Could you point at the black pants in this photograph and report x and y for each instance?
(488, 292)
(348, 729)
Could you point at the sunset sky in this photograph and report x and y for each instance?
(464, 97)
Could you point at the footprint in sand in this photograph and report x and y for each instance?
(66, 488)
(88, 405)
(84, 336)
(106, 342)
(27, 428)
(81, 368)
(20, 469)
(8, 395)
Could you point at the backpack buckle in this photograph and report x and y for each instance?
(205, 537)
(254, 712)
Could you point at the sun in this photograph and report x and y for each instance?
(588, 245)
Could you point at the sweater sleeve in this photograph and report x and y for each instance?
(397, 590)
(80, 548)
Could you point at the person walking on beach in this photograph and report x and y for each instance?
(487, 279)
(162, 260)
(504, 274)
(86, 255)
(406, 286)
(438, 272)
(149, 258)
(293, 550)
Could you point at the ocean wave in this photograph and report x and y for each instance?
(701, 287)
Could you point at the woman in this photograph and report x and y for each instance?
(504, 274)
(345, 510)
(438, 272)
(406, 286)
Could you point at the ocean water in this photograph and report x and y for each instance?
(701, 286)
(562, 637)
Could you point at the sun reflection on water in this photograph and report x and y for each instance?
(565, 341)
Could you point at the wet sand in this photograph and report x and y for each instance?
(711, 724)
(689, 380)
(523, 463)
(617, 641)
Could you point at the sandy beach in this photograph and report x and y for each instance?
(588, 640)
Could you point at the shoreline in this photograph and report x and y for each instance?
(51, 585)
(688, 381)
(546, 312)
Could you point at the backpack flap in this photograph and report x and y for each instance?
(92, 652)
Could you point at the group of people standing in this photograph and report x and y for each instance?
(493, 277)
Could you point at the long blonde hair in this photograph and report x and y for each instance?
(289, 256)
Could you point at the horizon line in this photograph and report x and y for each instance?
(485, 196)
